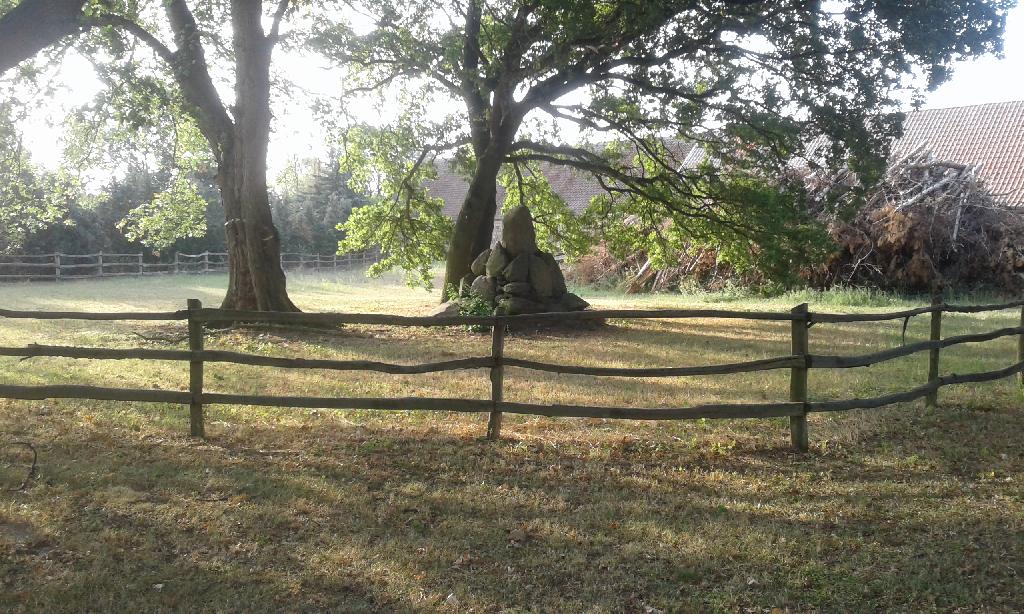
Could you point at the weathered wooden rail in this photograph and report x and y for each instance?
(63, 267)
(799, 363)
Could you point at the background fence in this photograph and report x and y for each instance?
(799, 362)
(60, 267)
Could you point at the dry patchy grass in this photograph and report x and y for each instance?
(899, 509)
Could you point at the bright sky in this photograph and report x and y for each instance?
(984, 80)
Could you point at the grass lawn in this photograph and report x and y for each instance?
(897, 509)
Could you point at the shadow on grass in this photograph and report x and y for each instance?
(909, 514)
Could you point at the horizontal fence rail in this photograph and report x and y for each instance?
(799, 363)
(62, 267)
(220, 315)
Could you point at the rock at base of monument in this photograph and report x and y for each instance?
(451, 308)
(540, 277)
(518, 288)
(479, 266)
(557, 279)
(518, 269)
(484, 287)
(515, 305)
(497, 260)
(570, 302)
(517, 232)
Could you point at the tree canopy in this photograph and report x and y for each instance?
(753, 84)
(690, 114)
(31, 198)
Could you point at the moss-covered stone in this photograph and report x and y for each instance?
(497, 260)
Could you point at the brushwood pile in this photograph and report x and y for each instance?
(927, 222)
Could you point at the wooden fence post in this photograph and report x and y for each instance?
(497, 377)
(206, 262)
(56, 267)
(142, 266)
(932, 400)
(195, 370)
(798, 377)
(177, 263)
(99, 262)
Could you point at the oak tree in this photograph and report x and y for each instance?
(751, 84)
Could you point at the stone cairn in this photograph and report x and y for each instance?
(514, 277)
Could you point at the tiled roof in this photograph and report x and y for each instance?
(451, 187)
(987, 134)
(576, 188)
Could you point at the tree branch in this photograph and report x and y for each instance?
(470, 86)
(193, 76)
(275, 27)
(34, 25)
(136, 30)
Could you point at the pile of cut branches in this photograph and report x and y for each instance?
(637, 274)
(927, 222)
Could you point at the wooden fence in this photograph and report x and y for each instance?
(798, 362)
(61, 267)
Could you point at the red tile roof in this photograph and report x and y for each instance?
(576, 188)
(987, 134)
(451, 187)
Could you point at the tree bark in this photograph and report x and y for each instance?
(34, 25)
(257, 279)
(240, 293)
(475, 224)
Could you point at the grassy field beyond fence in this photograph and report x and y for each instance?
(896, 509)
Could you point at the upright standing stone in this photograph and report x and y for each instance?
(514, 277)
(517, 233)
(540, 277)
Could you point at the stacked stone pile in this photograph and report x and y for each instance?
(515, 277)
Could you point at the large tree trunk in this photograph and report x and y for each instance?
(475, 224)
(257, 280)
(240, 294)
